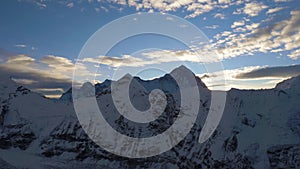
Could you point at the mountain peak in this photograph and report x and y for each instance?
(126, 77)
(87, 85)
(181, 68)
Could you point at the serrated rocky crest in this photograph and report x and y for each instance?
(259, 129)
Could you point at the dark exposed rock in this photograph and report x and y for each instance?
(284, 156)
(231, 143)
(238, 162)
(19, 136)
(248, 122)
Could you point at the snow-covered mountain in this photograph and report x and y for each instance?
(259, 128)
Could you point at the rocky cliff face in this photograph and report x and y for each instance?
(259, 129)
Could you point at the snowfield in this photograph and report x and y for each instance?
(259, 129)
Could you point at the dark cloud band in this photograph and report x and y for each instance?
(280, 71)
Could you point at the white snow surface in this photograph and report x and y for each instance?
(259, 119)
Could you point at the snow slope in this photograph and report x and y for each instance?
(259, 129)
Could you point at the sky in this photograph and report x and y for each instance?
(257, 42)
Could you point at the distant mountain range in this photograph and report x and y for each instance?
(259, 129)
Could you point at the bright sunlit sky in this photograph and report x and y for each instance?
(258, 42)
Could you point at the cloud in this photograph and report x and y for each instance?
(70, 5)
(169, 18)
(20, 46)
(41, 5)
(224, 1)
(219, 15)
(199, 9)
(273, 10)
(238, 11)
(24, 81)
(271, 36)
(104, 9)
(47, 73)
(226, 33)
(56, 61)
(252, 26)
(269, 72)
(34, 79)
(155, 57)
(238, 23)
(199, 55)
(21, 59)
(223, 34)
(215, 80)
(212, 27)
(125, 60)
(25, 46)
(193, 7)
(295, 54)
(50, 89)
(240, 29)
(254, 8)
(50, 92)
(282, 0)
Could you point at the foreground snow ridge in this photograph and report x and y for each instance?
(259, 129)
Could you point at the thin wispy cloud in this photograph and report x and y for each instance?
(282, 0)
(125, 60)
(274, 10)
(156, 57)
(212, 27)
(70, 5)
(219, 15)
(20, 46)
